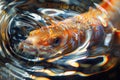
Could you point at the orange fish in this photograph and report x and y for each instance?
(65, 36)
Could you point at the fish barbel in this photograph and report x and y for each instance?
(65, 36)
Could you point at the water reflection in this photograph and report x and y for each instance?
(83, 51)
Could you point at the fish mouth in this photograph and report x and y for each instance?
(42, 51)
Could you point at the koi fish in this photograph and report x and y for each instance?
(66, 36)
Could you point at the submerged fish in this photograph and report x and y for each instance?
(66, 36)
(85, 44)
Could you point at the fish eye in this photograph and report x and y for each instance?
(56, 41)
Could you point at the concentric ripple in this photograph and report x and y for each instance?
(33, 49)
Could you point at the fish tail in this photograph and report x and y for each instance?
(112, 10)
(109, 6)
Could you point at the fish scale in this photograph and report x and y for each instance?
(51, 40)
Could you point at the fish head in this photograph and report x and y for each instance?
(47, 41)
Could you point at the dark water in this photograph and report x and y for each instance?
(19, 17)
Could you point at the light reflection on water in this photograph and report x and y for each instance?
(85, 59)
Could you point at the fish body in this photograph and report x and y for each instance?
(78, 45)
(65, 36)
